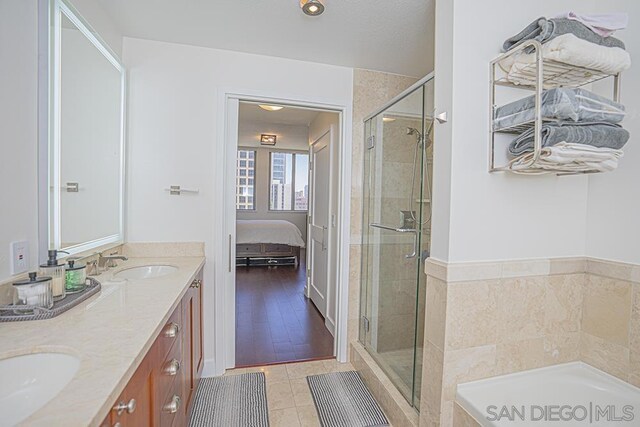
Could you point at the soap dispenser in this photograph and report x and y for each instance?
(57, 273)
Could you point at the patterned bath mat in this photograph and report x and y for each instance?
(232, 401)
(342, 399)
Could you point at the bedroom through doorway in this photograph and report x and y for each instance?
(286, 207)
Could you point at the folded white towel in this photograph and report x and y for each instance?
(571, 157)
(572, 50)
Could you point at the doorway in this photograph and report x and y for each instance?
(285, 263)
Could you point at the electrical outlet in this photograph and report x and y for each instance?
(19, 257)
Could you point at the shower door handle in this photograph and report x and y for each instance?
(415, 247)
(402, 230)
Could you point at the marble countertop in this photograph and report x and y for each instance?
(110, 333)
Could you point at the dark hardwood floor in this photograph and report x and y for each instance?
(275, 322)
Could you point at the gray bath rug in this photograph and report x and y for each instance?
(232, 401)
(342, 400)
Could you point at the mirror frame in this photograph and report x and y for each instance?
(50, 19)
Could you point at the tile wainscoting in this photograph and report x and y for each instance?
(494, 318)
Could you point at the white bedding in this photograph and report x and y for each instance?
(268, 231)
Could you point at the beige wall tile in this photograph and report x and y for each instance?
(607, 309)
(520, 308)
(471, 314)
(561, 348)
(435, 312)
(611, 269)
(563, 303)
(634, 332)
(465, 365)
(526, 268)
(574, 265)
(516, 356)
(461, 418)
(431, 397)
(609, 357)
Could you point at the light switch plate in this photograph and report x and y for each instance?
(19, 257)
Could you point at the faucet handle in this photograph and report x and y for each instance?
(92, 268)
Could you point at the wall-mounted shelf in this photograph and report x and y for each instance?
(537, 76)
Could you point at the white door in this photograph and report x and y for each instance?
(319, 212)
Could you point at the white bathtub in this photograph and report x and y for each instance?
(571, 394)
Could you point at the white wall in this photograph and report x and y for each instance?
(493, 216)
(613, 221)
(18, 128)
(174, 96)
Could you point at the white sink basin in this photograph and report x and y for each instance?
(30, 381)
(145, 272)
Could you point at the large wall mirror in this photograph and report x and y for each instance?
(86, 136)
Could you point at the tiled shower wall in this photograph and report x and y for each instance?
(371, 90)
(491, 319)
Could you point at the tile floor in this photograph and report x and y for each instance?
(288, 396)
(275, 323)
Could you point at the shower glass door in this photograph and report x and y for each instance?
(396, 237)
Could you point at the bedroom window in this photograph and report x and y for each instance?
(245, 168)
(289, 181)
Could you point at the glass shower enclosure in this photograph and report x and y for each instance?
(396, 235)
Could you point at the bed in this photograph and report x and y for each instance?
(267, 242)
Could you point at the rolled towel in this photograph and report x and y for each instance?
(596, 134)
(544, 30)
(571, 157)
(565, 104)
(571, 50)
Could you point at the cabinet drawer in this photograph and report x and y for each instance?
(269, 248)
(171, 406)
(170, 333)
(169, 370)
(255, 248)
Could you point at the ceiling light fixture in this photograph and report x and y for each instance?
(270, 107)
(266, 139)
(312, 7)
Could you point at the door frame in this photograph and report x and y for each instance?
(224, 316)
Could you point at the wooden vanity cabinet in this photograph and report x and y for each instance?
(161, 391)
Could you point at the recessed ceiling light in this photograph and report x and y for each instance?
(312, 7)
(270, 107)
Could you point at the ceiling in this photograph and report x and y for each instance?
(290, 116)
(384, 35)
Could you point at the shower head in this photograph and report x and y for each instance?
(413, 131)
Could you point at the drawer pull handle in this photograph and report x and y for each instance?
(172, 330)
(196, 283)
(129, 407)
(173, 406)
(172, 367)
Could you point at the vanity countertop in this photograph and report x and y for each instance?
(110, 333)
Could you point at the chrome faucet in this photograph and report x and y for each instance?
(108, 261)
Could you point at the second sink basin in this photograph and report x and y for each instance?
(30, 381)
(145, 272)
